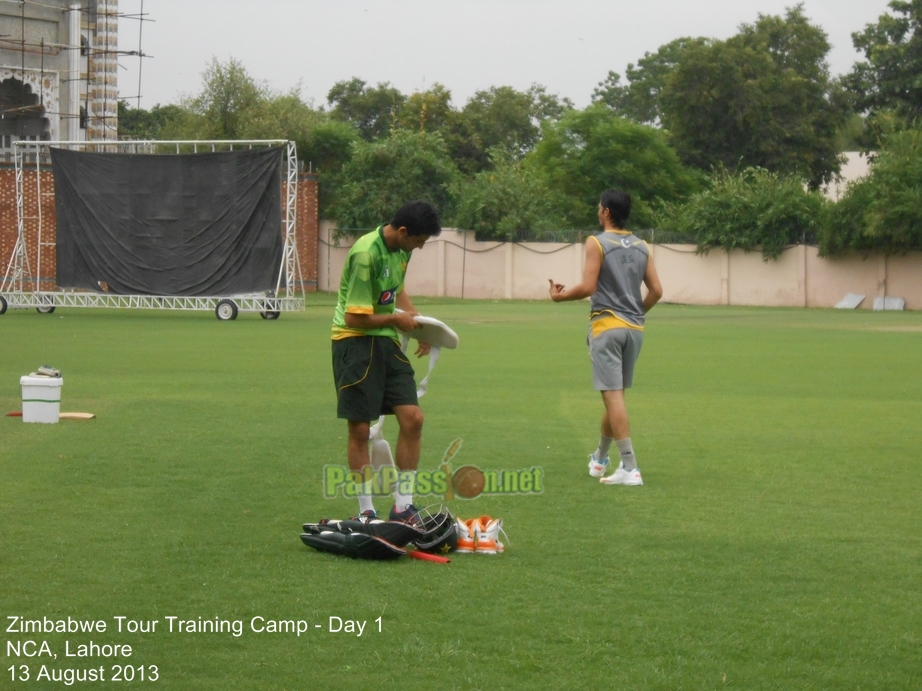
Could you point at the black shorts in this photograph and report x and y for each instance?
(372, 375)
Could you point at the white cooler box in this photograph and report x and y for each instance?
(41, 398)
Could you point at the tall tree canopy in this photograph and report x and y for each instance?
(590, 150)
(639, 99)
(762, 98)
(495, 117)
(156, 123)
(506, 118)
(510, 201)
(428, 111)
(887, 82)
(381, 175)
(371, 110)
(229, 94)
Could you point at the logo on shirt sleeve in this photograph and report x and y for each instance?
(387, 296)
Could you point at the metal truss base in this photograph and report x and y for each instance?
(46, 300)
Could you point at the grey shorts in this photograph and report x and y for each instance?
(614, 353)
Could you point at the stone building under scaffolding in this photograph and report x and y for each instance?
(58, 71)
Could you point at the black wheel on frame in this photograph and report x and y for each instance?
(45, 309)
(226, 310)
(3, 304)
(270, 314)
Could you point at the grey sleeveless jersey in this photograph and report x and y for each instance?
(624, 264)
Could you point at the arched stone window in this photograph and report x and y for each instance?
(22, 116)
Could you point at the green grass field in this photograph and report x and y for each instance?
(776, 544)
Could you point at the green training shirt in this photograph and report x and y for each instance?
(372, 277)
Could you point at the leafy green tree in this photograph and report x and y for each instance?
(590, 150)
(510, 201)
(754, 210)
(888, 78)
(322, 142)
(639, 99)
(228, 95)
(547, 107)
(324, 145)
(137, 123)
(371, 110)
(257, 112)
(613, 94)
(325, 148)
(850, 136)
(274, 116)
(883, 211)
(763, 98)
(429, 111)
(505, 118)
(381, 175)
(432, 111)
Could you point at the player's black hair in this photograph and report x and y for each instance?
(618, 204)
(419, 218)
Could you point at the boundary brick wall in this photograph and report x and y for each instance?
(9, 221)
(308, 229)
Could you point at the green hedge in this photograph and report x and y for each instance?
(755, 210)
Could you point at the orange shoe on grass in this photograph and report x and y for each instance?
(467, 541)
(486, 535)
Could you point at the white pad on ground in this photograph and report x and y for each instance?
(888, 303)
(850, 301)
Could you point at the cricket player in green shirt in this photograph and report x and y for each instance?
(372, 374)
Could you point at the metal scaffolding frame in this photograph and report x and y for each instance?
(21, 289)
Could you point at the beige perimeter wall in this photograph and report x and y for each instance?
(456, 265)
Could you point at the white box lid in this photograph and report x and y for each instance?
(41, 381)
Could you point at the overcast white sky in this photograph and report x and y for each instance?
(467, 45)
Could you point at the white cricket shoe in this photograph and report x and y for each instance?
(623, 477)
(467, 540)
(487, 532)
(597, 468)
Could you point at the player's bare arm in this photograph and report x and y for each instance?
(402, 320)
(404, 303)
(586, 287)
(654, 287)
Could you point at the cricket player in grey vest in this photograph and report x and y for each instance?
(617, 263)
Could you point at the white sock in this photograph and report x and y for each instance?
(601, 453)
(364, 492)
(403, 496)
(365, 503)
(627, 454)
